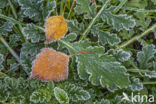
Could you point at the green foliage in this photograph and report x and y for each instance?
(76, 93)
(83, 7)
(40, 96)
(145, 56)
(118, 22)
(61, 95)
(33, 34)
(102, 69)
(111, 47)
(3, 3)
(6, 27)
(36, 10)
(1, 61)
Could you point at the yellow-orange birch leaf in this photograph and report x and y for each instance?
(50, 65)
(55, 28)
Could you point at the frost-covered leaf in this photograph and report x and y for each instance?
(145, 55)
(18, 100)
(10, 83)
(36, 10)
(141, 16)
(76, 93)
(61, 95)
(32, 33)
(100, 68)
(136, 85)
(75, 27)
(28, 54)
(3, 3)
(103, 101)
(118, 22)
(6, 27)
(69, 38)
(1, 61)
(108, 38)
(83, 7)
(122, 55)
(104, 37)
(14, 39)
(40, 96)
(126, 34)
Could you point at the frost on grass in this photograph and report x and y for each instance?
(36, 10)
(61, 95)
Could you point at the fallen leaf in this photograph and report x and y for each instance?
(50, 65)
(55, 28)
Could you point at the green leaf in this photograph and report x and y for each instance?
(104, 37)
(1, 61)
(142, 20)
(61, 95)
(14, 40)
(3, 3)
(32, 33)
(103, 101)
(83, 7)
(40, 96)
(36, 10)
(18, 100)
(108, 38)
(6, 27)
(75, 27)
(102, 69)
(120, 54)
(76, 93)
(28, 54)
(136, 85)
(118, 22)
(145, 56)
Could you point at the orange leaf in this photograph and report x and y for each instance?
(50, 65)
(56, 28)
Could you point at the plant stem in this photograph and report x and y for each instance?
(138, 70)
(13, 9)
(17, 22)
(10, 49)
(149, 82)
(69, 46)
(84, 35)
(137, 37)
(2, 74)
(119, 6)
(15, 15)
(11, 19)
(73, 4)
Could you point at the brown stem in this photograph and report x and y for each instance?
(73, 4)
